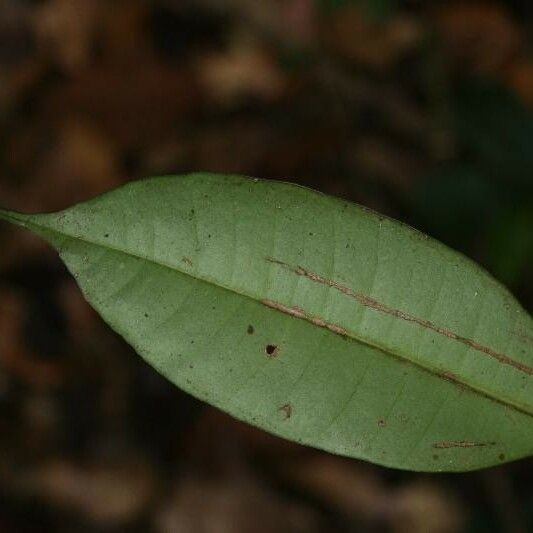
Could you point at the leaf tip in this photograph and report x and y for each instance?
(14, 218)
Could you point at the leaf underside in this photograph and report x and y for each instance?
(308, 316)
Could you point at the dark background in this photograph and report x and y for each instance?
(420, 110)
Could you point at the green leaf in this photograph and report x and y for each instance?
(308, 316)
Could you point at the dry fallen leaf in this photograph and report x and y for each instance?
(65, 31)
(108, 495)
(244, 71)
(231, 505)
(371, 43)
(16, 359)
(520, 78)
(422, 507)
(480, 36)
(349, 487)
(131, 104)
(81, 163)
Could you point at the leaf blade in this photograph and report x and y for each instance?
(200, 232)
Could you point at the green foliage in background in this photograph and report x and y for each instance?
(481, 200)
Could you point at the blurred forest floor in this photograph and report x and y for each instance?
(420, 110)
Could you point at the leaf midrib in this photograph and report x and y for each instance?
(26, 221)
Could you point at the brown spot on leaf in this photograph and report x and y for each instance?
(187, 261)
(286, 410)
(382, 423)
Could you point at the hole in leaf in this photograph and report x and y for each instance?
(250, 330)
(271, 350)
